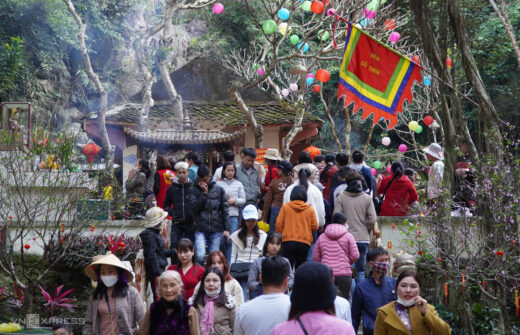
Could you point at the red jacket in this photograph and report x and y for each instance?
(161, 184)
(326, 184)
(399, 196)
(272, 174)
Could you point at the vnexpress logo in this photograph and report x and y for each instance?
(32, 321)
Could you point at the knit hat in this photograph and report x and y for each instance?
(313, 288)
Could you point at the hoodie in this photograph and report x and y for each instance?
(336, 248)
(359, 209)
(296, 222)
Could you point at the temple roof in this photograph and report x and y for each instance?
(170, 136)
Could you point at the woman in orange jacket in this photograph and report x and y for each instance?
(296, 222)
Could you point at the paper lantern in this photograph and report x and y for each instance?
(386, 141)
(402, 148)
(316, 88)
(27, 246)
(364, 22)
(309, 81)
(313, 151)
(389, 168)
(218, 8)
(306, 6)
(374, 171)
(293, 87)
(256, 66)
(394, 37)
(317, 7)
(323, 75)
(416, 59)
(449, 63)
(294, 39)
(305, 46)
(90, 150)
(427, 81)
(419, 129)
(283, 28)
(377, 164)
(285, 92)
(323, 35)
(331, 11)
(310, 75)
(412, 125)
(260, 71)
(269, 26)
(428, 120)
(374, 4)
(369, 14)
(389, 24)
(284, 13)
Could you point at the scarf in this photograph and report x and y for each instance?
(354, 187)
(207, 318)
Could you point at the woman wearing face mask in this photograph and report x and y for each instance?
(171, 314)
(410, 314)
(115, 307)
(215, 308)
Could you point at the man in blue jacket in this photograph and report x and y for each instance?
(358, 164)
(374, 292)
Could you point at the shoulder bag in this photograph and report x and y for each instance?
(241, 270)
(378, 202)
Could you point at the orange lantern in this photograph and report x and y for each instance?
(323, 75)
(389, 24)
(313, 151)
(90, 150)
(317, 7)
(449, 63)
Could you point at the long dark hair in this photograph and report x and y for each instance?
(187, 245)
(225, 165)
(199, 298)
(304, 157)
(397, 169)
(120, 288)
(219, 254)
(304, 175)
(145, 167)
(330, 159)
(295, 313)
(272, 237)
(162, 163)
(242, 233)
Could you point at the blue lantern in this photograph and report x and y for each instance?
(284, 13)
(309, 81)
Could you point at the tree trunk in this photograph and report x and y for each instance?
(295, 129)
(369, 137)
(504, 17)
(348, 129)
(105, 141)
(258, 129)
(28, 293)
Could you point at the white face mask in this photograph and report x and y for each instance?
(406, 303)
(109, 281)
(212, 294)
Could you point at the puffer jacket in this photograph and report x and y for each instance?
(177, 203)
(154, 254)
(210, 210)
(234, 189)
(337, 248)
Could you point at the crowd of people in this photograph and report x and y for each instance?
(311, 272)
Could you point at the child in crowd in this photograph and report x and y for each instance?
(272, 247)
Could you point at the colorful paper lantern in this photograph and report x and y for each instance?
(256, 66)
(218, 8)
(285, 92)
(313, 151)
(323, 35)
(316, 88)
(90, 150)
(294, 39)
(364, 22)
(386, 141)
(293, 87)
(374, 171)
(323, 75)
(374, 4)
(305, 46)
(27, 246)
(419, 129)
(428, 120)
(317, 7)
(269, 26)
(402, 148)
(377, 165)
(449, 63)
(306, 6)
(283, 28)
(309, 81)
(389, 168)
(413, 125)
(390, 24)
(394, 37)
(369, 14)
(260, 71)
(427, 81)
(416, 59)
(284, 13)
(331, 11)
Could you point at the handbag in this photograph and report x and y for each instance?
(241, 270)
(378, 202)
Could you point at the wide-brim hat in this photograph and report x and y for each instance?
(154, 216)
(434, 150)
(272, 154)
(313, 288)
(108, 259)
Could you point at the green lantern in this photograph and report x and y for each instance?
(269, 26)
(377, 165)
(323, 35)
(306, 6)
(419, 129)
(294, 39)
(256, 66)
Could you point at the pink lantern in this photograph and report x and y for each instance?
(218, 8)
(260, 71)
(293, 87)
(389, 168)
(331, 11)
(285, 92)
(374, 171)
(402, 148)
(369, 14)
(394, 37)
(386, 141)
(310, 75)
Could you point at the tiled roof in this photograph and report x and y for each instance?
(171, 136)
(213, 114)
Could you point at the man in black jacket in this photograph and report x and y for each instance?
(210, 213)
(177, 203)
(155, 260)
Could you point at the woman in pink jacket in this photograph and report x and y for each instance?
(337, 248)
(312, 304)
